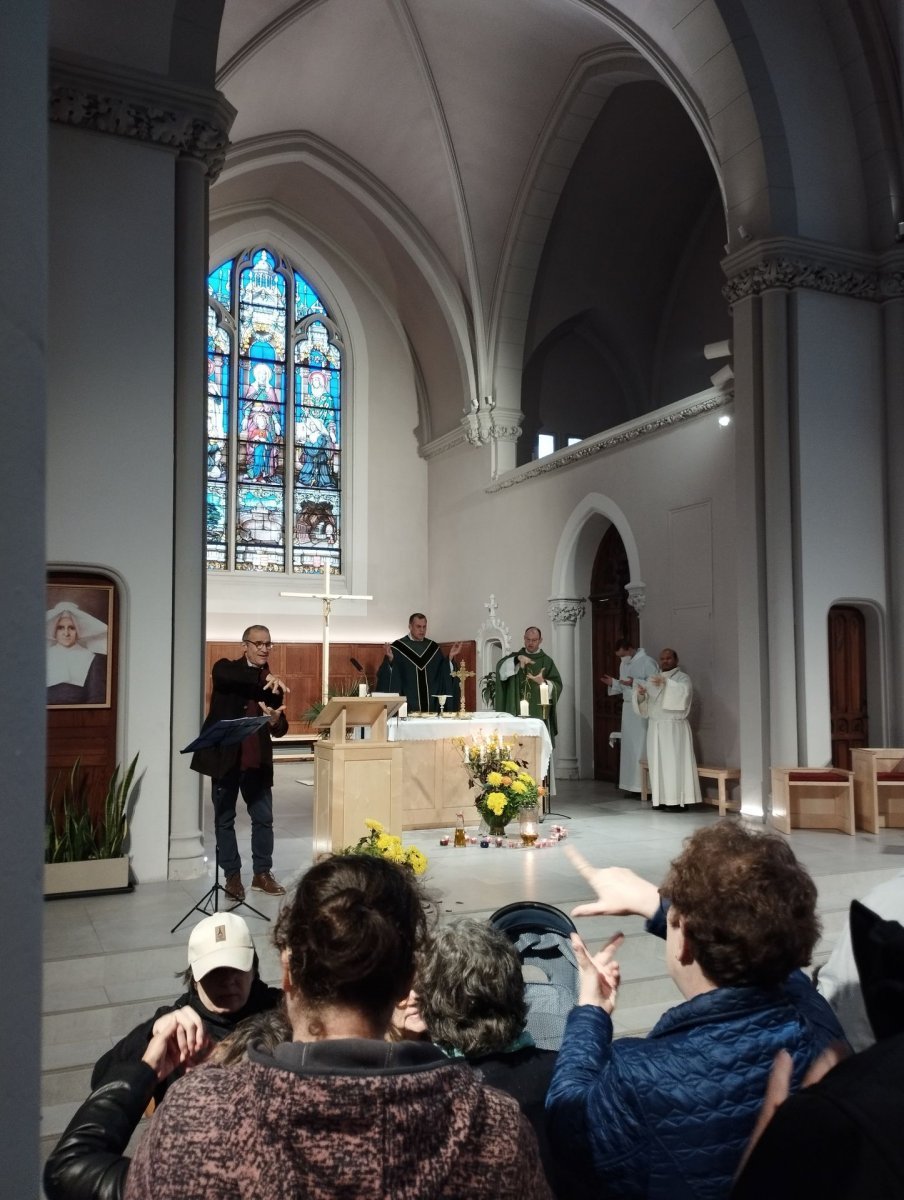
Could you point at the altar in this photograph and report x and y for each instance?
(434, 780)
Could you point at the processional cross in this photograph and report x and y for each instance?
(327, 597)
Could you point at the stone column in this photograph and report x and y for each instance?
(564, 613)
(23, 330)
(186, 850)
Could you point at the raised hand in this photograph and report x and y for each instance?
(273, 713)
(387, 650)
(600, 975)
(619, 891)
(274, 684)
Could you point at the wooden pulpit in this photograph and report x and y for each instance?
(356, 780)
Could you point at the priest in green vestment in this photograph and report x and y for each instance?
(519, 676)
(416, 667)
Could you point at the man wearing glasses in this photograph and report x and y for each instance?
(245, 687)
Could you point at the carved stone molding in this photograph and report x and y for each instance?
(566, 610)
(674, 414)
(637, 596)
(789, 263)
(144, 108)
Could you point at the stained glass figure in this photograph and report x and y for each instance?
(263, 317)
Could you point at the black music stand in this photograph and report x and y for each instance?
(222, 733)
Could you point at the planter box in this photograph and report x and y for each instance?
(92, 875)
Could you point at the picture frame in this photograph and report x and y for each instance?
(80, 635)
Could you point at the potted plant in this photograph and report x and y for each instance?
(488, 689)
(84, 853)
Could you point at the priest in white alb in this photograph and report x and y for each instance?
(665, 699)
(634, 666)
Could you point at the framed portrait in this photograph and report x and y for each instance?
(80, 634)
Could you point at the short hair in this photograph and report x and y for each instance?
(625, 644)
(246, 636)
(748, 905)
(416, 617)
(674, 653)
(537, 628)
(351, 930)
(470, 988)
(264, 1029)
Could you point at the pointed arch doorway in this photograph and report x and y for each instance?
(613, 618)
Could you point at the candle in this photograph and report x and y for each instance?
(484, 842)
(362, 689)
(525, 708)
(544, 693)
(444, 840)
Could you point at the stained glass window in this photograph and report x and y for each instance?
(274, 397)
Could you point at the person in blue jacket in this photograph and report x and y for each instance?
(667, 1116)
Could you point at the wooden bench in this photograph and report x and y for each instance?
(878, 788)
(812, 798)
(722, 775)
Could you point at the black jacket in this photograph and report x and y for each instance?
(87, 1162)
(235, 683)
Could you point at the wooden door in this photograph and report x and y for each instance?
(613, 619)
(847, 683)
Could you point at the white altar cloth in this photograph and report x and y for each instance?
(428, 729)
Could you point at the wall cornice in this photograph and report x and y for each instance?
(612, 439)
(789, 263)
(97, 96)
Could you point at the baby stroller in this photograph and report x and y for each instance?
(541, 935)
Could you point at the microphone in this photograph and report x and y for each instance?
(357, 665)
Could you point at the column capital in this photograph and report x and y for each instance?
(789, 263)
(637, 596)
(87, 94)
(566, 610)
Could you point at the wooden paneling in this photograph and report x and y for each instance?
(299, 663)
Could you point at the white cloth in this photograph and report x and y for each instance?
(68, 664)
(429, 729)
(838, 980)
(670, 748)
(633, 726)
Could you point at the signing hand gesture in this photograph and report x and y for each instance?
(178, 1038)
(619, 891)
(599, 973)
(273, 713)
(273, 683)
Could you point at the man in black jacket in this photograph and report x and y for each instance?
(245, 687)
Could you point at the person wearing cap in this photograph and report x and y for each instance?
(224, 988)
(245, 687)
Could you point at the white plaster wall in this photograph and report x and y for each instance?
(110, 426)
(506, 543)
(386, 555)
(841, 522)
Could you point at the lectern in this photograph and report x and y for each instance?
(356, 780)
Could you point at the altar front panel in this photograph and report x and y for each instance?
(434, 780)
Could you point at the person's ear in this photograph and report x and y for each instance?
(684, 948)
(285, 958)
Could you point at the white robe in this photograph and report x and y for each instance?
(633, 726)
(670, 748)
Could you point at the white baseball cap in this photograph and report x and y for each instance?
(220, 940)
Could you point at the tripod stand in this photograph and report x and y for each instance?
(209, 902)
(546, 807)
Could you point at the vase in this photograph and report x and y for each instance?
(497, 827)
(529, 819)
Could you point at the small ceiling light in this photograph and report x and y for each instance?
(724, 420)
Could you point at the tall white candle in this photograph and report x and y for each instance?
(525, 708)
(544, 693)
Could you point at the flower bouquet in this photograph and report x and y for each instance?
(505, 786)
(380, 844)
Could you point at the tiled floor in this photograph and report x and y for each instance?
(110, 960)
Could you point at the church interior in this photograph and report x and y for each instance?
(583, 314)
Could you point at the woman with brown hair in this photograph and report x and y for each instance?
(340, 1111)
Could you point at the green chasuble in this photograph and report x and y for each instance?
(511, 691)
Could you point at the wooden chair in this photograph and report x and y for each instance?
(878, 788)
(812, 798)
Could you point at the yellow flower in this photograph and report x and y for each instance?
(508, 765)
(387, 843)
(494, 779)
(416, 860)
(496, 802)
(525, 778)
(474, 753)
(374, 825)
(519, 788)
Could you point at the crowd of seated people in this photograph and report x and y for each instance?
(398, 1064)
